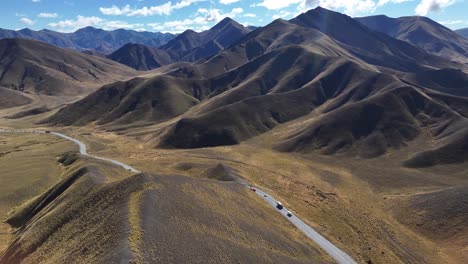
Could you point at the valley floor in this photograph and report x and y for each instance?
(375, 209)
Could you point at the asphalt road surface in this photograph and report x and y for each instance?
(340, 256)
(336, 253)
(80, 144)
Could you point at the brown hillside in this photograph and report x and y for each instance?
(36, 67)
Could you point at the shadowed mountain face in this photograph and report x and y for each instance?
(90, 38)
(141, 57)
(189, 46)
(192, 46)
(36, 67)
(371, 46)
(138, 100)
(463, 32)
(422, 32)
(339, 86)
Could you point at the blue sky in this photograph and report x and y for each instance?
(177, 15)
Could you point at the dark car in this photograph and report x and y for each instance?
(279, 205)
(289, 214)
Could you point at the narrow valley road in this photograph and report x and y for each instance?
(337, 254)
(81, 145)
(332, 250)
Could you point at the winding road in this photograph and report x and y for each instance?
(81, 145)
(337, 254)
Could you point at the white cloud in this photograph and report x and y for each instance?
(199, 23)
(48, 15)
(250, 15)
(350, 7)
(282, 14)
(27, 21)
(202, 11)
(164, 9)
(115, 11)
(228, 2)
(216, 15)
(36, 1)
(384, 2)
(70, 25)
(427, 6)
(278, 4)
(453, 22)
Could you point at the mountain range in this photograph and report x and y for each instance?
(90, 38)
(188, 46)
(422, 32)
(325, 97)
(295, 70)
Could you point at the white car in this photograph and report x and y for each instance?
(289, 214)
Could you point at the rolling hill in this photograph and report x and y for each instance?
(54, 71)
(137, 100)
(422, 32)
(11, 98)
(106, 219)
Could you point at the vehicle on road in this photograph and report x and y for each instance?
(279, 205)
(289, 214)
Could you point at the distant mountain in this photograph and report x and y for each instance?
(39, 68)
(90, 38)
(463, 32)
(321, 63)
(191, 46)
(369, 45)
(422, 32)
(141, 57)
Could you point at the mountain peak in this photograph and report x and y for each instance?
(226, 21)
(89, 29)
(321, 12)
(25, 30)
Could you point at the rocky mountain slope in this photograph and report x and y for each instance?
(294, 70)
(422, 32)
(39, 68)
(141, 57)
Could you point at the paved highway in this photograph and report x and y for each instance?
(80, 144)
(340, 256)
(336, 253)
